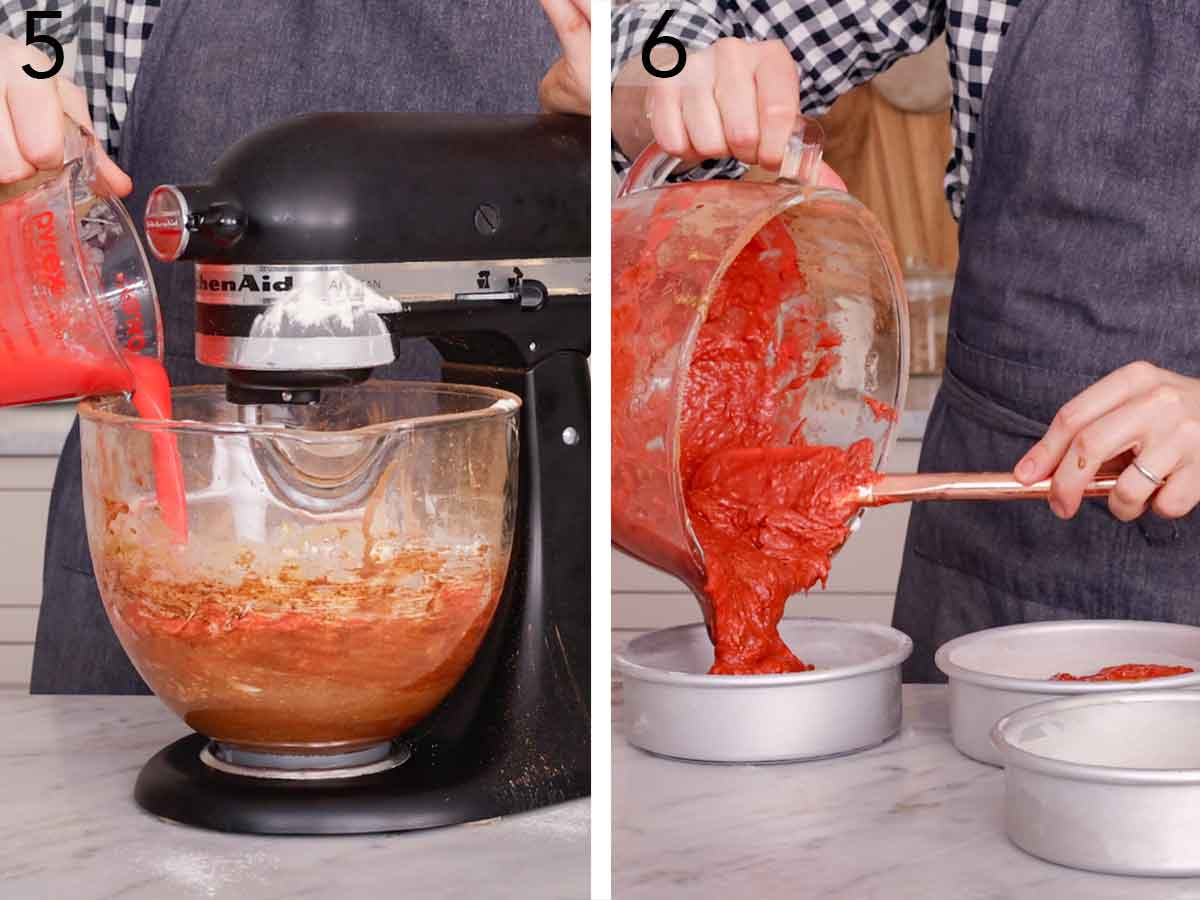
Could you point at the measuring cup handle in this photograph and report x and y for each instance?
(801, 161)
(80, 144)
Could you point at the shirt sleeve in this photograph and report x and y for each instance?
(65, 29)
(837, 44)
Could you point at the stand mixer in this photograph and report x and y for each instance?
(315, 249)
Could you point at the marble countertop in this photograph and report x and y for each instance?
(69, 828)
(35, 430)
(911, 818)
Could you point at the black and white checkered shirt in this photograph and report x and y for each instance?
(838, 44)
(111, 36)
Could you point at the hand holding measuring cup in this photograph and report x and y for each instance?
(734, 99)
(35, 116)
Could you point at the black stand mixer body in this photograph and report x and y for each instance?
(482, 237)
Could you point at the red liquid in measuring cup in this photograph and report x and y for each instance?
(35, 379)
(55, 342)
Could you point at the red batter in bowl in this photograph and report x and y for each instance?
(768, 518)
(1127, 672)
(283, 658)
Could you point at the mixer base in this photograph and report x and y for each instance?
(434, 787)
(251, 764)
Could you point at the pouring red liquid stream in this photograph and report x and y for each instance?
(33, 378)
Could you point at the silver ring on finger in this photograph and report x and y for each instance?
(1148, 475)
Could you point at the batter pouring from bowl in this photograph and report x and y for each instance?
(1071, 330)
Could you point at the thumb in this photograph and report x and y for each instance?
(114, 176)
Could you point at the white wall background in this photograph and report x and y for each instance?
(24, 499)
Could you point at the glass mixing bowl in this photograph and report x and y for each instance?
(343, 563)
(672, 245)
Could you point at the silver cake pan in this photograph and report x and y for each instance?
(1108, 783)
(850, 702)
(999, 670)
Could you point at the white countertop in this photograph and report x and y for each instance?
(35, 430)
(69, 828)
(909, 819)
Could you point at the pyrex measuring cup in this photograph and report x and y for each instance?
(76, 293)
(672, 244)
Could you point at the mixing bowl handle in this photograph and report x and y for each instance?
(801, 161)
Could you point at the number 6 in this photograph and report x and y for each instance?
(32, 37)
(656, 38)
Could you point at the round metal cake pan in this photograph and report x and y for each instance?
(849, 702)
(1108, 783)
(994, 672)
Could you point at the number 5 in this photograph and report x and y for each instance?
(32, 37)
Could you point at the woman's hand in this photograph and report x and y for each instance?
(567, 87)
(32, 125)
(1140, 408)
(736, 98)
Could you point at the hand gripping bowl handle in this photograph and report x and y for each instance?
(801, 161)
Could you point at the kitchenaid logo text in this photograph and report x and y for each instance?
(168, 222)
(262, 285)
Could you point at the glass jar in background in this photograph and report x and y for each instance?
(929, 293)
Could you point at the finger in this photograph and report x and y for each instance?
(737, 101)
(777, 84)
(37, 121)
(571, 25)
(1132, 426)
(114, 176)
(1180, 495)
(558, 91)
(14, 166)
(702, 119)
(1133, 490)
(585, 8)
(1106, 394)
(75, 104)
(666, 121)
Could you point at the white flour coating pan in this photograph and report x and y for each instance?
(850, 702)
(999, 670)
(1106, 782)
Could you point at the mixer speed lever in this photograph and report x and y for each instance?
(531, 294)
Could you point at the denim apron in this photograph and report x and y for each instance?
(1079, 253)
(214, 71)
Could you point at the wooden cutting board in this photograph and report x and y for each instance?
(894, 162)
